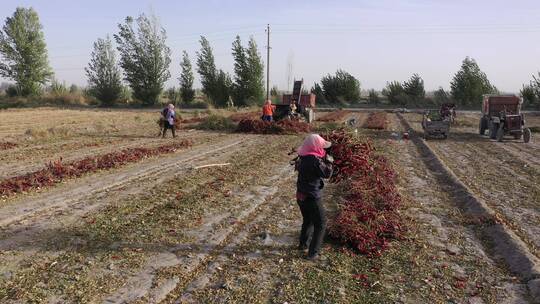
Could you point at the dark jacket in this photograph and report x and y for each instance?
(311, 171)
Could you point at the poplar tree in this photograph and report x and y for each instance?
(144, 57)
(186, 79)
(470, 83)
(24, 52)
(104, 76)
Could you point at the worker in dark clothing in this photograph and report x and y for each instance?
(313, 165)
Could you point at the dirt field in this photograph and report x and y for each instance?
(164, 231)
(506, 175)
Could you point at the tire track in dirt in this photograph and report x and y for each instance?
(523, 153)
(140, 285)
(445, 230)
(187, 258)
(529, 153)
(264, 251)
(509, 184)
(17, 168)
(62, 198)
(504, 182)
(502, 241)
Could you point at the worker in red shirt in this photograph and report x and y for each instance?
(268, 110)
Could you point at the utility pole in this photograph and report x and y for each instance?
(268, 62)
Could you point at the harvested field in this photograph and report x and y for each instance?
(506, 175)
(218, 222)
(335, 116)
(376, 121)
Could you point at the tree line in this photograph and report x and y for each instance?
(466, 89)
(138, 54)
(143, 63)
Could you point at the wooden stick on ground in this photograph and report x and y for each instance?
(212, 165)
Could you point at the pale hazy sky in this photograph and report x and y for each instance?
(375, 40)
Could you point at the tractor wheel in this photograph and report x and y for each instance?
(494, 127)
(526, 135)
(500, 134)
(482, 127)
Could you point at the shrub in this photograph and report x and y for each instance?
(341, 87)
(319, 94)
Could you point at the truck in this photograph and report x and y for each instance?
(501, 115)
(304, 105)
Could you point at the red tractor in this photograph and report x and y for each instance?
(501, 115)
(304, 105)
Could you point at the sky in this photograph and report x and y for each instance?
(375, 40)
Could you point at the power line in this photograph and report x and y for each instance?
(411, 29)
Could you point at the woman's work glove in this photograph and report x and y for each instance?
(329, 158)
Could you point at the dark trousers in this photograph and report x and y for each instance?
(314, 218)
(166, 126)
(267, 117)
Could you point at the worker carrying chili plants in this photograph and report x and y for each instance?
(268, 111)
(313, 165)
(169, 116)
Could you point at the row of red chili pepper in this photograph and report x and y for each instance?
(258, 126)
(376, 121)
(57, 171)
(368, 219)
